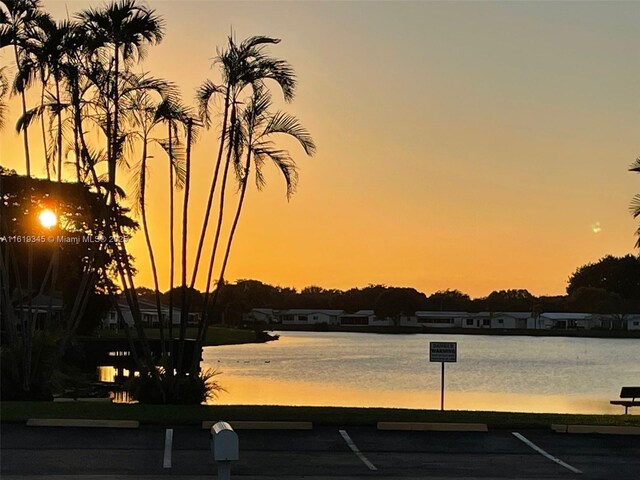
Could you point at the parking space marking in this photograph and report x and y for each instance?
(542, 452)
(168, 443)
(356, 450)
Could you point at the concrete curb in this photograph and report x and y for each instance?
(82, 399)
(434, 427)
(251, 425)
(81, 422)
(601, 429)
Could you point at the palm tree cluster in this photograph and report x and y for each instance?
(98, 117)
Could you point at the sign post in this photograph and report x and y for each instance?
(443, 352)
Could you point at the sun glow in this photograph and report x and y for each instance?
(47, 218)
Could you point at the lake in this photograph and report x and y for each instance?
(500, 373)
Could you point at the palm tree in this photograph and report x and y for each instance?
(4, 90)
(172, 113)
(122, 28)
(17, 18)
(241, 66)
(46, 52)
(252, 135)
(634, 207)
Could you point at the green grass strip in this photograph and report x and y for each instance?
(195, 414)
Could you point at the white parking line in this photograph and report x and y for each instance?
(542, 452)
(168, 442)
(356, 450)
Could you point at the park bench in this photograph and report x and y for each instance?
(631, 393)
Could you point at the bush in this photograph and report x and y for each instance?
(175, 390)
(43, 378)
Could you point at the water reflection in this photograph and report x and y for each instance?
(263, 391)
(116, 376)
(526, 374)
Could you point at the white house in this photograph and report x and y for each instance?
(300, 316)
(633, 322)
(261, 315)
(363, 317)
(477, 320)
(510, 320)
(148, 312)
(434, 319)
(564, 320)
(43, 308)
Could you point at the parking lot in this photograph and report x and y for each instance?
(344, 453)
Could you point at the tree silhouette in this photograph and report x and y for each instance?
(120, 31)
(618, 275)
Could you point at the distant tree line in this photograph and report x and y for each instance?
(610, 285)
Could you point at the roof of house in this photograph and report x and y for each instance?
(266, 311)
(43, 302)
(566, 316)
(517, 315)
(305, 311)
(439, 314)
(359, 313)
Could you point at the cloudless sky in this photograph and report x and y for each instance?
(476, 146)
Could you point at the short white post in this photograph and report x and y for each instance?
(224, 446)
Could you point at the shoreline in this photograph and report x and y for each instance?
(609, 334)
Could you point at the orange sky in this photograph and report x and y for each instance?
(460, 145)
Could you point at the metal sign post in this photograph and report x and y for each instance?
(443, 352)
(442, 389)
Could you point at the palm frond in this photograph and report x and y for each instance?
(24, 121)
(178, 162)
(283, 161)
(634, 206)
(287, 124)
(204, 96)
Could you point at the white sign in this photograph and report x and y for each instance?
(443, 351)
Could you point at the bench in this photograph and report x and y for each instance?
(628, 392)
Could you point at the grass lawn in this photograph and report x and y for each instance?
(195, 414)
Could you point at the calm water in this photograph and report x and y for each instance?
(528, 374)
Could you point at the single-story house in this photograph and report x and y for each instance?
(633, 322)
(477, 320)
(261, 315)
(434, 319)
(363, 317)
(564, 320)
(510, 320)
(149, 314)
(301, 316)
(43, 308)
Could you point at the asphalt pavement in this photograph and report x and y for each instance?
(340, 453)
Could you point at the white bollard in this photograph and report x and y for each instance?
(224, 447)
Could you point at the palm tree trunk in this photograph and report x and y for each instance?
(25, 135)
(123, 267)
(44, 132)
(214, 181)
(232, 232)
(184, 310)
(171, 236)
(147, 236)
(205, 320)
(59, 136)
(115, 133)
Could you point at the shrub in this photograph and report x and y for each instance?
(175, 390)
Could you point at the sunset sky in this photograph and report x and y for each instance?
(477, 146)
